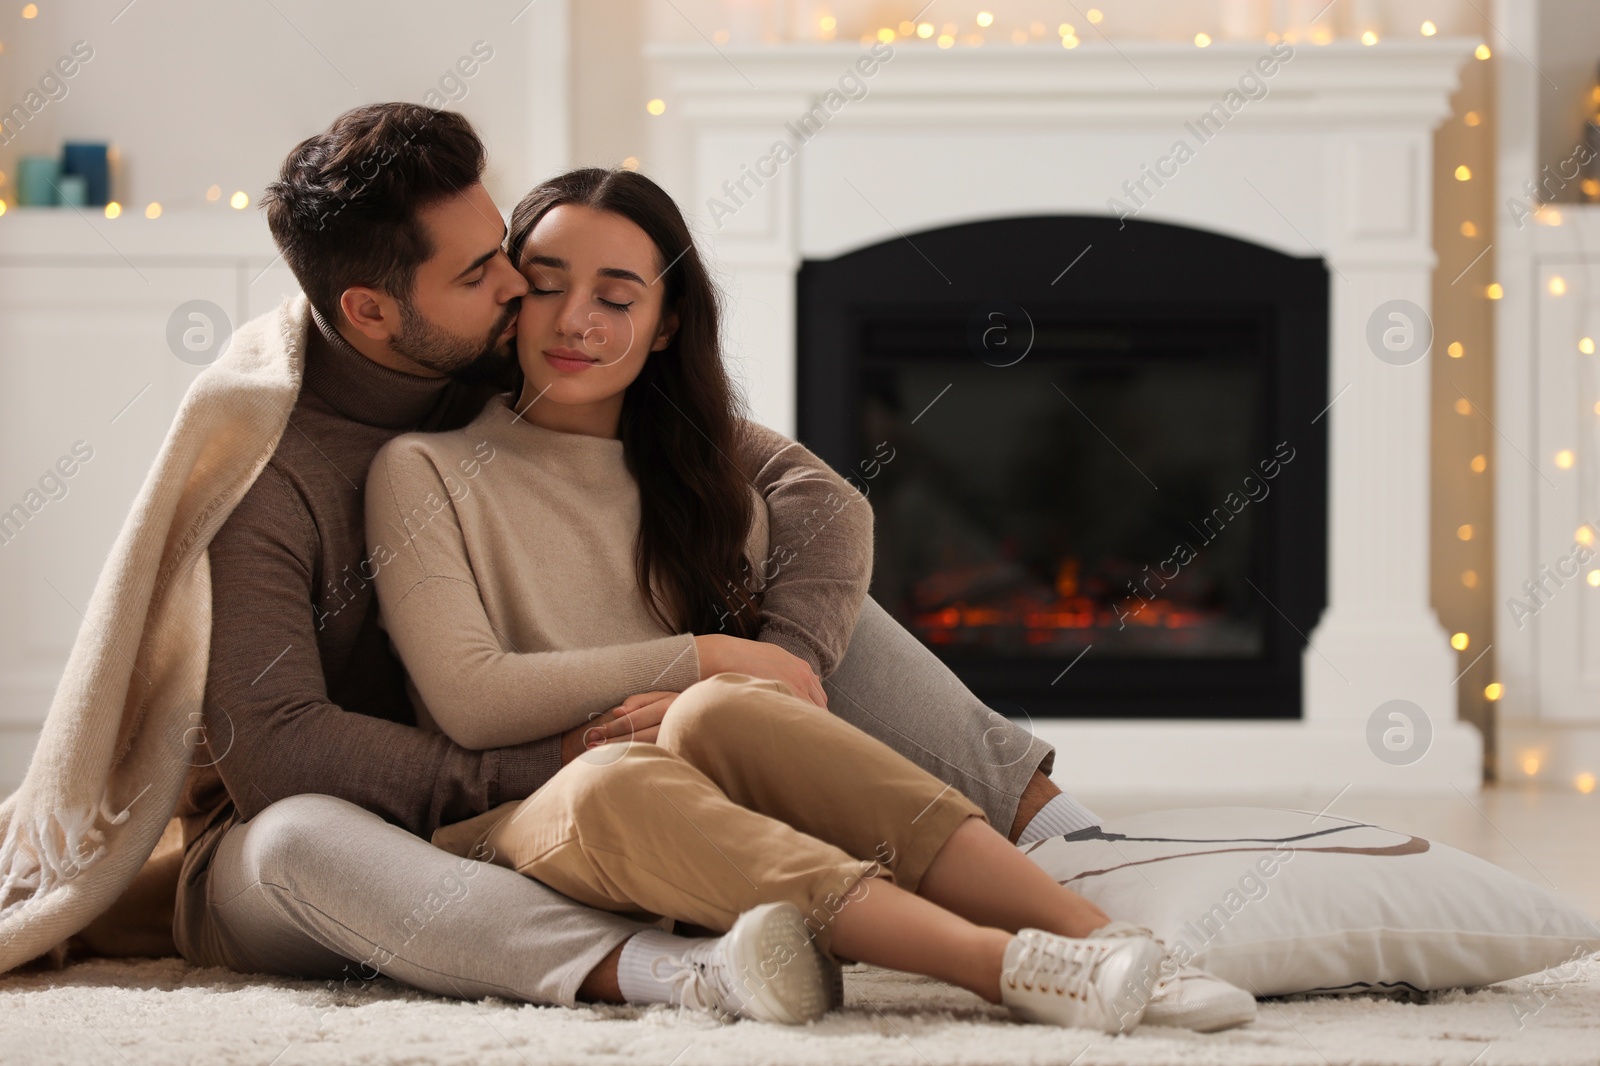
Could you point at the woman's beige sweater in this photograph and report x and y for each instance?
(504, 554)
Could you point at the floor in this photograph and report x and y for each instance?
(163, 1011)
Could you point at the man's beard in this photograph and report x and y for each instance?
(484, 361)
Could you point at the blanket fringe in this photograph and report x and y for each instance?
(51, 849)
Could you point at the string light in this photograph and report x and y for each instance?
(1584, 783)
(1464, 532)
(1459, 641)
(153, 211)
(946, 40)
(924, 30)
(1482, 51)
(1069, 41)
(1586, 346)
(1428, 28)
(986, 19)
(1094, 15)
(1564, 459)
(1202, 40)
(1494, 290)
(1530, 764)
(1463, 406)
(1369, 38)
(1558, 286)
(113, 209)
(1479, 463)
(30, 11)
(1493, 691)
(1469, 229)
(214, 193)
(1469, 578)
(1456, 350)
(1584, 536)
(886, 35)
(239, 201)
(1472, 118)
(1593, 578)
(1463, 173)
(2, 207)
(631, 163)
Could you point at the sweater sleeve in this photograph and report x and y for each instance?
(481, 691)
(821, 548)
(270, 728)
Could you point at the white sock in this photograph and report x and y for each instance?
(1060, 816)
(636, 968)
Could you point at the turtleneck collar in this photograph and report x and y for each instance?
(360, 389)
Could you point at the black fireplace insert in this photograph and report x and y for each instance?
(1096, 456)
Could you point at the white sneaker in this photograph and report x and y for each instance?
(1092, 983)
(1184, 995)
(765, 968)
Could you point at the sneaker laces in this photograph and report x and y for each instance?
(698, 983)
(1166, 973)
(1061, 965)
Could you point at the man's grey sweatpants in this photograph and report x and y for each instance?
(317, 887)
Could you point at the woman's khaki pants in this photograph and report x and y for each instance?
(750, 795)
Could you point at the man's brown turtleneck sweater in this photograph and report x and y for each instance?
(304, 695)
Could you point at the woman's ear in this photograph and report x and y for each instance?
(665, 332)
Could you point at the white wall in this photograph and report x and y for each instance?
(195, 93)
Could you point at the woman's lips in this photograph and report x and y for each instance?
(568, 359)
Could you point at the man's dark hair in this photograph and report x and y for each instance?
(344, 208)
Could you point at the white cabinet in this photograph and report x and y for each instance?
(89, 384)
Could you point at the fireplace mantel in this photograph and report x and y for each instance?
(1334, 161)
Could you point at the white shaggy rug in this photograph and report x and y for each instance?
(165, 1011)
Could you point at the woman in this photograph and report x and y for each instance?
(597, 541)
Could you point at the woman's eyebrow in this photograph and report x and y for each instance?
(620, 274)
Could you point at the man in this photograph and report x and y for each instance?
(306, 843)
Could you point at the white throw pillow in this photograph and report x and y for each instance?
(1281, 902)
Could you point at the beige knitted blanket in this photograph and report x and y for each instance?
(116, 746)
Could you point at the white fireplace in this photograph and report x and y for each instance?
(1314, 151)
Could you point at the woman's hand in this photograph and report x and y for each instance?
(721, 653)
(638, 717)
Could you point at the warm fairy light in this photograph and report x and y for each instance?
(1494, 290)
(827, 23)
(1548, 215)
(1482, 51)
(1530, 764)
(1584, 536)
(1469, 229)
(152, 211)
(1493, 691)
(1369, 37)
(214, 193)
(1472, 118)
(1469, 578)
(924, 30)
(113, 209)
(721, 37)
(1464, 532)
(1463, 173)
(1456, 350)
(1321, 35)
(1459, 641)
(239, 200)
(947, 40)
(1586, 346)
(986, 19)
(1597, 407)
(1019, 36)
(657, 106)
(1094, 15)
(1591, 186)
(1593, 578)
(1463, 406)
(1202, 40)
(631, 163)
(1557, 286)
(1428, 28)
(1479, 463)
(2, 207)
(1565, 459)
(30, 11)
(1066, 29)
(886, 35)
(1584, 783)
(1069, 41)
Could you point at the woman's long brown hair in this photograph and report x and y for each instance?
(680, 419)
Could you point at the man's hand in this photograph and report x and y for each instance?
(637, 718)
(720, 653)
